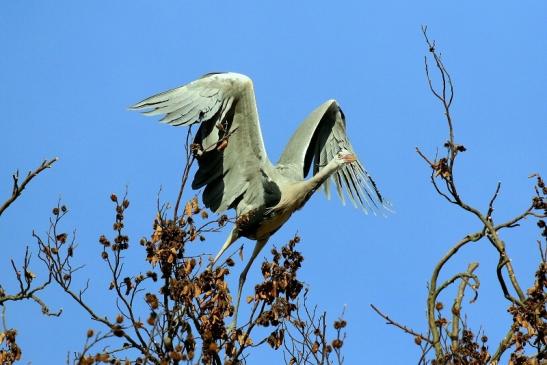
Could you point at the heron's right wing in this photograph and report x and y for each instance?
(315, 143)
(233, 151)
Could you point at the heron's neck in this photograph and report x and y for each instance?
(322, 175)
(296, 195)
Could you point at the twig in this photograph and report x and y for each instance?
(491, 204)
(186, 172)
(402, 327)
(25, 290)
(18, 188)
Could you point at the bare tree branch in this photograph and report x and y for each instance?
(457, 307)
(402, 327)
(457, 344)
(19, 187)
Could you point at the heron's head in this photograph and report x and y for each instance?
(345, 157)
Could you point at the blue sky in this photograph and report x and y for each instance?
(69, 70)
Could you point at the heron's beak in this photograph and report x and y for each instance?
(349, 158)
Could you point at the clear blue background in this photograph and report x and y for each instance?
(69, 70)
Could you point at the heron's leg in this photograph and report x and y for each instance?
(258, 247)
(234, 235)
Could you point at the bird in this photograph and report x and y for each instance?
(234, 169)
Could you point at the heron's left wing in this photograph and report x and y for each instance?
(317, 141)
(232, 150)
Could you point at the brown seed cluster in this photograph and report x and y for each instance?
(539, 203)
(530, 321)
(201, 295)
(529, 328)
(166, 244)
(470, 351)
(214, 304)
(10, 352)
(280, 285)
(121, 241)
(441, 168)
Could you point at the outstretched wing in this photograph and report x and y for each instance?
(317, 141)
(232, 150)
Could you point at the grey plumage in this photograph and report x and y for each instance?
(234, 167)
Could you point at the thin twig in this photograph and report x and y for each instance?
(402, 327)
(18, 188)
(186, 172)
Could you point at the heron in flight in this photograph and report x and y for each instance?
(234, 169)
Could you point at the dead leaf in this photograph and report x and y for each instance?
(188, 209)
(195, 205)
(156, 236)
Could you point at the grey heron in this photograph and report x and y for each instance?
(234, 169)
